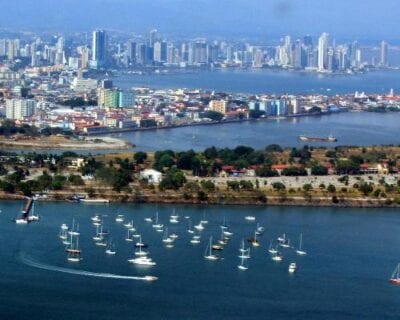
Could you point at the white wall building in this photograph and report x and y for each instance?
(17, 109)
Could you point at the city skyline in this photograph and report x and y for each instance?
(234, 18)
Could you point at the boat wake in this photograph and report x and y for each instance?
(29, 262)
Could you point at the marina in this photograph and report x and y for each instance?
(37, 252)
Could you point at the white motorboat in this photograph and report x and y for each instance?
(145, 261)
(292, 267)
(119, 218)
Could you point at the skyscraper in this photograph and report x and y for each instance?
(384, 54)
(99, 49)
(152, 37)
(323, 52)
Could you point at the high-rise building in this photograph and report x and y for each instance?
(99, 49)
(152, 37)
(384, 54)
(17, 109)
(323, 52)
(131, 52)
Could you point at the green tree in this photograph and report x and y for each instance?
(140, 157)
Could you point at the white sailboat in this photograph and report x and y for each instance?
(395, 278)
(63, 235)
(204, 220)
(199, 227)
(190, 230)
(271, 249)
(140, 252)
(277, 256)
(300, 250)
(254, 242)
(97, 236)
(241, 266)
(174, 218)
(208, 252)
(74, 252)
(75, 229)
(195, 239)
(166, 238)
(110, 248)
(157, 225)
(128, 236)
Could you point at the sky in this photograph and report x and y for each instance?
(370, 19)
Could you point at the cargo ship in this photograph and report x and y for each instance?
(330, 138)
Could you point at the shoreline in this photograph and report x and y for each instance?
(250, 200)
(107, 143)
(210, 123)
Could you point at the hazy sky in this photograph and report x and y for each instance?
(357, 18)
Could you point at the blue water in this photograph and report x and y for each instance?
(351, 255)
(267, 81)
(350, 129)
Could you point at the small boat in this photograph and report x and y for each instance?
(129, 236)
(63, 235)
(166, 238)
(395, 278)
(250, 218)
(119, 218)
(259, 230)
(227, 233)
(95, 218)
(300, 250)
(204, 220)
(277, 256)
(330, 138)
(140, 244)
(110, 248)
(74, 257)
(224, 225)
(241, 266)
(244, 252)
(129, 225)
(148, 219)
(75, 229)
(173, 236)
(174, 221)
(195, 240)
(21, 221)
(101, 244)
(157, 225)
(292, 267)
(271, 249)
(217, 247)
(199, 226)
(254, 240)
(285, 244)
(145, 261)
(73, 247)
(174, 218)
(208, 252)
(139, 252)
(190, 230)
(98, 236)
